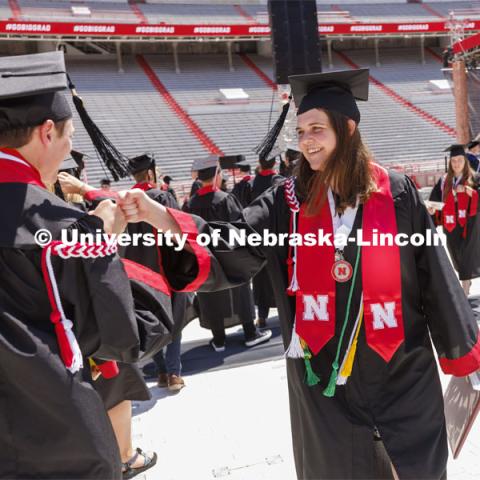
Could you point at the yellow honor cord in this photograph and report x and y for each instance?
(348, 364)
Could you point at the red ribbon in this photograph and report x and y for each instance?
(453, 214)
(266, 173)
(316, 284)
(207, 189)
(381, 272)
(145, 186)
(21, 171)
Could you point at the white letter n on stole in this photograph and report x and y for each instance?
(383, 315)
(315, 306)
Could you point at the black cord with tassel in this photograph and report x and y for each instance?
(266, 146)
(115, 161)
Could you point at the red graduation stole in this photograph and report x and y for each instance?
(145, 186)
(381, 277)
(451, 215)
(15, 169)
(266, 173)
(206, 190)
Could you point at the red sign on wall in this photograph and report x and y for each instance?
(166, 30)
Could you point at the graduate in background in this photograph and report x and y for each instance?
(167, 180)
(242, 190)
(263, 296)
(473, 155)
(458, 190)
(72, 166)
(358, 320)
(143, 169)
(220, 310)
(288, 164)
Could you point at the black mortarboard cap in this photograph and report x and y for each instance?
(30, 93)
(31, 90)
(229, 162)
(473, 144)
(244, 166)
(141, 163)
(74, 162)
(334, 91)
(206, 167)
(455, 150)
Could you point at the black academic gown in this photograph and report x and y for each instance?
(262, 284)
(332, 437)
(130, 383)
(228, 307)
(464, 252)
(53, 424)
(242, 191)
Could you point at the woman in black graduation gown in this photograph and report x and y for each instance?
(458, 190)
(359, 320)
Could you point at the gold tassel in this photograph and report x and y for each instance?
(347, 368)
(347, 364)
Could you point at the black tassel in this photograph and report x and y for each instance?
(264, 148)
(115, 161)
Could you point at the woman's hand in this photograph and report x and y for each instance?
(460, 189)
(469, 191)
(139, 207)
(112, 215)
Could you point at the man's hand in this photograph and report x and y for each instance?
(71, 184)
(113, 219)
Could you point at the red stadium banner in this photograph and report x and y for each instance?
(468, 43)
(167, 30)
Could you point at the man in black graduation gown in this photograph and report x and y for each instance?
(242, 190)
(57, 307)
(229, 307)
(262, 284)
(61, 303)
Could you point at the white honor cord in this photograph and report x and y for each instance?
(77, 362)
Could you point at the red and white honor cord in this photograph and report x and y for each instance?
(294, 205)
(69, 349)
(295, 348)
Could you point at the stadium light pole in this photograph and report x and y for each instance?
(460, 86)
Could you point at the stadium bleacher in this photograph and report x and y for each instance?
(136, 117)
(133, 115)
(234, 12)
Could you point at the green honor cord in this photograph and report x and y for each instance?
(330, 390)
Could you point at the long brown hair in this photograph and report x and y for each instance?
(467, 177)
(347, 169)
